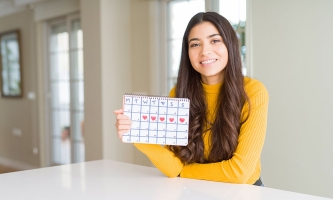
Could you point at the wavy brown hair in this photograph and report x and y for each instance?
(231, 98)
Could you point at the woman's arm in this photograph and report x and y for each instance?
(162, 158)
(246, 158)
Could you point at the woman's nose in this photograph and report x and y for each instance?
(206, 50)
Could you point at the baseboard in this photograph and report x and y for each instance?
(15, 164)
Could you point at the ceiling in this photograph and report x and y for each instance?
(8, 7)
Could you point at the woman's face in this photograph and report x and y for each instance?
(207, 52)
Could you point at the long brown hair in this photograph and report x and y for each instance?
(231, 98)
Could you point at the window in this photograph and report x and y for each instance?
(235, 12)
(178, 15)
(66, 92)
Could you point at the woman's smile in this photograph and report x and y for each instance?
(208, 61)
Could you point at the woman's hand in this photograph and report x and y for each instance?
(123, 123)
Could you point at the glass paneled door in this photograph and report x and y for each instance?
(66, 92)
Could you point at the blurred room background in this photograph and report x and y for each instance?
(65, 72)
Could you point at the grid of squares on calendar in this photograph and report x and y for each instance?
(157, 120)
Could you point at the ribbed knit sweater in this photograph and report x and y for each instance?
(244, 166)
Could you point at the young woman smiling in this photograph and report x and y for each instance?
(228, 113)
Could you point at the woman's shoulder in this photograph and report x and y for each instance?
(172, 92)
(253, 86)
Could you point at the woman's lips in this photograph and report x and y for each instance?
(208, 61)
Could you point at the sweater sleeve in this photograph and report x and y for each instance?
(162, 157)
(242, 165)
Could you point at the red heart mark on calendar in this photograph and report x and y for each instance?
(144, 117)
(181, 120)
(153, 118)
(171, 119)
(162, 119)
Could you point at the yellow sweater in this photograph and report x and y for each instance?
(244, 166)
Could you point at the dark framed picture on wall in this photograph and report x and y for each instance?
(11, 64)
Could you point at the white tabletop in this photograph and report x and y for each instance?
(107, 179)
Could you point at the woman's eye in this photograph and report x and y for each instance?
(215, 41)
(194, 45)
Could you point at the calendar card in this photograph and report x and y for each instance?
(156, 119)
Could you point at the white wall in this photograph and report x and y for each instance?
(107, 61)
(116, 40)
(293, 57)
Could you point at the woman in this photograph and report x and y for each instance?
(228, 113)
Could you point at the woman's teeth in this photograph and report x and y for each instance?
(208, 61)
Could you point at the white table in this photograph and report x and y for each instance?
(105, 179)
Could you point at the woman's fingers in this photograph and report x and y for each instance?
(122, 129)
(119, 111)
(123, 123)
(122, 117)
(121, 133)
(125, 127)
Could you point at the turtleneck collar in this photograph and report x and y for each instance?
(212, 89)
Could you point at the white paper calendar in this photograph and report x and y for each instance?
(156, 119)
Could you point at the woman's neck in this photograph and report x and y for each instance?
(212, 80)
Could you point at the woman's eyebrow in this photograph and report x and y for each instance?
(209, 36)
(212, 35)
(193, 39)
